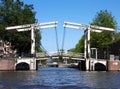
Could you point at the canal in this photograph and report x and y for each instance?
(59, 78)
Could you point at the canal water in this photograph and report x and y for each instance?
(59, 78)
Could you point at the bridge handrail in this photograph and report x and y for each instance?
(67, 54)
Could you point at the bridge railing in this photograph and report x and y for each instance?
(73, 54)
(67, 54)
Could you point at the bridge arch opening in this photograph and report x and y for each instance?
(22, 66)
(100, 67)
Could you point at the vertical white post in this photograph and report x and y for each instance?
(88, 43)
(86, 49)
(32, 41)
(85, 46)
(87, 65)
(96, 53)
(34, 62)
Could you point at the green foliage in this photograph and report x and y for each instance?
(105, 19)
(116, 37)
(79, 48)
(15, 12)
(37, 42)
(115, 46)
(104, 39)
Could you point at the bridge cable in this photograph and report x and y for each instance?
(44, 50)
(57, 40)
(63, 41)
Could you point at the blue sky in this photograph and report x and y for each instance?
(80, 11)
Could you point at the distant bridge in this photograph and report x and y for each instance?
(68, 55)
(91, 64)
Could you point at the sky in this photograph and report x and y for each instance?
(79, 11)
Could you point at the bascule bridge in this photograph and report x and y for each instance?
(86, 61)
(89, 63)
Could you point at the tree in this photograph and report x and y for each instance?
(105, 19)
(79, 48)
(103, 40)
(37, 42)
(15, 12)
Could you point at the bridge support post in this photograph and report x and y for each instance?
(33, 64)
(87, 65)
(92, 65)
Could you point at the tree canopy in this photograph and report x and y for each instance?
(105, 19)
(15, 12)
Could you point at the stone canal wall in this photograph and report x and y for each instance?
(113, 65)
(18, 64)
(6, 64)
(106, 65)
(10, 64)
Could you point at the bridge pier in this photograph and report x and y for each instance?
(93, 65)
(98, 65)
(87, 65)
(18, 64)
(25, 64)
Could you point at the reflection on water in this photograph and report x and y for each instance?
(59, 78)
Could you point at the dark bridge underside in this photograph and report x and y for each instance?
(22, 66)
(100, 67)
